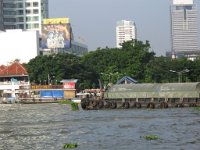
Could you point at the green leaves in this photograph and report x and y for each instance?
(74, 106)
(151, 137)
(70, 146)
(197, 108)
(53, 68)
(110, 64)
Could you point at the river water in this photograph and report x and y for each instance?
(50, 126)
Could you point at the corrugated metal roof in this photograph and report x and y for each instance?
(157, 87)
(169, 90)
(69, 80)
(127, 79)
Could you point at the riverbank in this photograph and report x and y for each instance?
(33, 101)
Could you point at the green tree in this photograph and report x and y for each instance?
(46, 69)
(130, 60)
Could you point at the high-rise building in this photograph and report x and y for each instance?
(125, 31)
(1, 14)
(184, 28)
(30, 15)
(24, 14)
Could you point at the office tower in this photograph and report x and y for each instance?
(125, 31)
(1, 14)
(24, 14)
(184, 28)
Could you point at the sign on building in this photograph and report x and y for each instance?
(56, 33)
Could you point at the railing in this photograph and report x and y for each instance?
(14, 83)
(36, 87)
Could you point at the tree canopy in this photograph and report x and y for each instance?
(134, 59)
(54, 68)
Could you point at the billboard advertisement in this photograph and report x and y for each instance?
(182, 2)
(56, 34)
(56, 21)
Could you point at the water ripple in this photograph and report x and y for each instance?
(50, 126)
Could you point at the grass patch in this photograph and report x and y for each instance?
(197, 108)
(65, 102)
(151, 137)
(74, 106)
(70, 146)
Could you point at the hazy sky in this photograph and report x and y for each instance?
(95, 20)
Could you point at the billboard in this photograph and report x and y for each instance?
(69, 85)
(56, 21)
(182, 2)
(56, 33)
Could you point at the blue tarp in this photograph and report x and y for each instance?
(52, 93)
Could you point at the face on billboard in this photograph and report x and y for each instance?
(56, 36)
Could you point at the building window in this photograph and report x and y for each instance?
(28, 11)
(20, 5)
(28, 18)
(7, 5)
(35, 18)
(35, 4)
(20, 12)
(28, 26)
(9, 13)
(20, 19)
(9, 26)
(20, 26)
(35, 11)
(9, 20)
(28, 4)
(35, 25)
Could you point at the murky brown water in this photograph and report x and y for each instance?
(50, 126)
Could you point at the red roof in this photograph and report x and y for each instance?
(15, 69)
(2, 67)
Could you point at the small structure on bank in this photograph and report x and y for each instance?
(66, 90)
(14, 81)
(15, 85)
(69, 87)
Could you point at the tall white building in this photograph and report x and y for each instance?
(1, 14)
(125, 31)
(24, 14)
(184, 28)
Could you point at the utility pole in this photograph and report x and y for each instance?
(180, 74)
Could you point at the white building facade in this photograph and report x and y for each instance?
(77, 48)
(24, 49)
(24, 14)
(125, 31)
(184, 28)
(1, 14)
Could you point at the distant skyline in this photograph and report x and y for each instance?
(95, 21)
